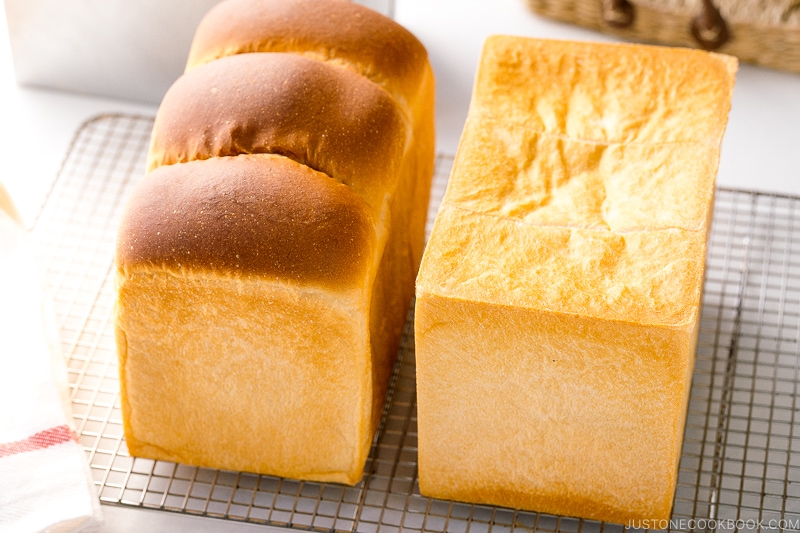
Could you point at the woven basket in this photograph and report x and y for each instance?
(764, 32)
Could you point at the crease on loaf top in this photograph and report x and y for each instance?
(601, 228)
(538, 179)
(338, 124)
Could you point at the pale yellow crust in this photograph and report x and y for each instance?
(558, 300)
(266, 264)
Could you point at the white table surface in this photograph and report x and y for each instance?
(761, 148)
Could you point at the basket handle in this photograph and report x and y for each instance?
(617, 13)
(709, 28)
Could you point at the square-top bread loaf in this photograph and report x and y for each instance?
(266, 262)
(558, 300)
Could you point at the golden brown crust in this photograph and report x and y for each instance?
(328, 118)
(373, 45)
(252, 214)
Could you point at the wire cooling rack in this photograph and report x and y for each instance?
(740, 467)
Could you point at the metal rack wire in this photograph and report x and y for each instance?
(741, 454)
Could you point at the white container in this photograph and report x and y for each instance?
(126, 49)
(118, 48)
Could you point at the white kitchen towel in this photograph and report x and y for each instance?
(45, 482)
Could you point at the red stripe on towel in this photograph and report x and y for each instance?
(43, 439)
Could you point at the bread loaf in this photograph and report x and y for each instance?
(558, 301)
(266, 261)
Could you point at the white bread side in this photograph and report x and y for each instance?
(558, 301)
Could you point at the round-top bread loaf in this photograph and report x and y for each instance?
(266, 262)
